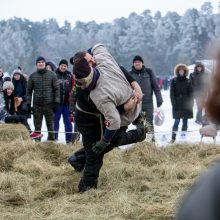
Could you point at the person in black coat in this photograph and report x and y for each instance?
(149, 85)
(181, 95)
(20, 86)
(199, 79)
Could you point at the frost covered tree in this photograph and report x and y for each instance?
(163, 41)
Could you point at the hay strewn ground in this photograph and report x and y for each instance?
(145, 182)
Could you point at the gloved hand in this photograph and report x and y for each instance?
(99, 146)
(159, 104)
(81, 68)
(29, 109)
(56, 106)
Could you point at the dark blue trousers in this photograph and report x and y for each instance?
(65, 112)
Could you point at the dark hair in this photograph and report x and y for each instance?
(199, 65)
(213, 101)
(9, 99)
(78, 56)
(22, 79)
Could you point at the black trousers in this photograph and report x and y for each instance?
(47, 112)
(90, 127)
(14, 119)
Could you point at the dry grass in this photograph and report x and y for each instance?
(145, 182)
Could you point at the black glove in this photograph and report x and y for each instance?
(56, 106)
(99, 147)
(29, 109)
(159, 104)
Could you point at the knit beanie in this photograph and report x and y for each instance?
(85, 76)
(17, 71)
(138, 58)
(63, 61)
(81, 69)
(40, 59)
(8, 85)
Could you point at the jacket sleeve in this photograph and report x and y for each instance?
(172, 93)
(127, 75)
(100, 52)
(56, 89)
(156, 88)
(29, 90)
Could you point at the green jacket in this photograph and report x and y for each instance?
(45, 87)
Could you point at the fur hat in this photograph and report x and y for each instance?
(139, 58)
(181, 66)
(8, 85)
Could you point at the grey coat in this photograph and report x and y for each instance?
(148, 83)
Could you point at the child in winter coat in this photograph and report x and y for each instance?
(8, 106)
(181, 96)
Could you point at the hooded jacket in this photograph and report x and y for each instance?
(199, 81)
(181, 94)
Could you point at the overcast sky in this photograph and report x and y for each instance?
(87, 10)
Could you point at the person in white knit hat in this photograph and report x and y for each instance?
(8, 109)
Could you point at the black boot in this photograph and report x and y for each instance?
(75, 163)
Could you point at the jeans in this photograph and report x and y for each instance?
(65, 112)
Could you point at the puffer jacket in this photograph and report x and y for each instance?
(45, 86)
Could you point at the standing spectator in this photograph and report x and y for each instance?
(148, 83)
(20, 87)
(65, 82)
(181, 96)
(44, 86)
(50, 66)
(199, 80)
(1, 79)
